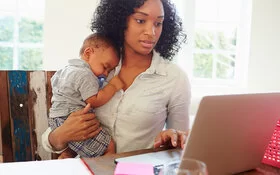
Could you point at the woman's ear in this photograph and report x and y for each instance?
(87, 53)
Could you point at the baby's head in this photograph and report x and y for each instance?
(100, 53)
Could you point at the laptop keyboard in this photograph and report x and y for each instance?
(157, 169)
(272, 153)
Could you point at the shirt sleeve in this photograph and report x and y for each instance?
(178, 106)
(46, 143)
(88, 85)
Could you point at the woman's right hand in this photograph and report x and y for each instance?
(79, 126)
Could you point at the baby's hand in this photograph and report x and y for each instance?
(117, 82)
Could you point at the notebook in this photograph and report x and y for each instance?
(230, 134)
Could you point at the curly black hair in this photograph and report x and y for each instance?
(110, 19)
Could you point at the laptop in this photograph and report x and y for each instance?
(230, 134)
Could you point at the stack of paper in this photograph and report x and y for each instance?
(48, 167)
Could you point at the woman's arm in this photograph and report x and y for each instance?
(177, 122)
(79, 126)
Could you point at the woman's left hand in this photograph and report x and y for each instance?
(171, 137)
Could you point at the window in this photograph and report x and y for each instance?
(21, 34)
(218, 41)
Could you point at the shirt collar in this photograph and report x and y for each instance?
(78, 63)
(118, 68)
(157, 66)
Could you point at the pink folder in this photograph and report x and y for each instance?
(124, 168)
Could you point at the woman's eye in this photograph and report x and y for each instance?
(158, 24)
(140, 21)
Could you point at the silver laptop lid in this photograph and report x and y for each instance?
(230, 132)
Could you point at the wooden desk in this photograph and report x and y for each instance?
(105, 164)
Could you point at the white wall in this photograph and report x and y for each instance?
(264, 63)
(66, 25)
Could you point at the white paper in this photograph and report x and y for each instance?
(48, 167)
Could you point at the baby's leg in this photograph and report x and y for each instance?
(53, 124)
(111, 148)
(68, 153)
(93, 147)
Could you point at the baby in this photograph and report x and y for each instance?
(77, 84)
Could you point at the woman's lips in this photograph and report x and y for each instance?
(147, 44)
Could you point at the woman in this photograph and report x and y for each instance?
(156, 93)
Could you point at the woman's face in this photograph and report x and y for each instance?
(144, 27)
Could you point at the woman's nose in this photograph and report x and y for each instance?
(150, 30)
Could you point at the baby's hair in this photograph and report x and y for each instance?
(97, 40)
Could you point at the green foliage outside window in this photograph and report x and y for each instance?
(227, 43)
(6, 61)
(225, 70)
(204, 40)
(204, 63)
(30, 31)
(6, 29)
(30, 59)
(226, 59)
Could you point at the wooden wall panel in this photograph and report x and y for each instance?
(31, 102)
(25, 98)
(1, 148)
(7, 146)
(19, 105)
(49, 75)
(37, 91)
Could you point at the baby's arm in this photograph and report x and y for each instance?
(105, 94)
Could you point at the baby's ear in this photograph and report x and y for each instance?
(87, 53)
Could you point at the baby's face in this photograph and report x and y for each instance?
(103, 60)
